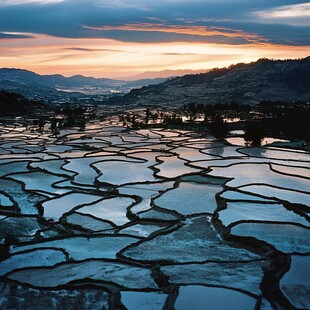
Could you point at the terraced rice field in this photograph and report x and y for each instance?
(109, 218)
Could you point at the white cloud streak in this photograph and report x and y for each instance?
(21, 2)
(296, 15)
(123, 4)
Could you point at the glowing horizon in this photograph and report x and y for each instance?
(145, 37)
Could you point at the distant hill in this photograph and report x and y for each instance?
(143, 82)
(285, 80)
(34, 85)
(164, 74)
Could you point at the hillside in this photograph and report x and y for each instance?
(285, 80)
(15, 104)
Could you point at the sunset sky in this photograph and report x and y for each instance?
(117, 38)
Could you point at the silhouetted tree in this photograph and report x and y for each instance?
(154, 117)
(54, 127)
(254, 134)
(218, 128)
(147, 115)
(41, 124)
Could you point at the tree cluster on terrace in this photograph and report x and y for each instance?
(289, 118)
(210, 112)
(74, 116)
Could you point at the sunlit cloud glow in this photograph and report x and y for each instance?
(191, 30)
(111, 58)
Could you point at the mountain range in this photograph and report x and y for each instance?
(33, 85)
(263, 80)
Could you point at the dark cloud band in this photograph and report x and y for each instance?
(66, 19)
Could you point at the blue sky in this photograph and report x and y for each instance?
(116, 26)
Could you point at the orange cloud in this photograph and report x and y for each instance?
(202, 31)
